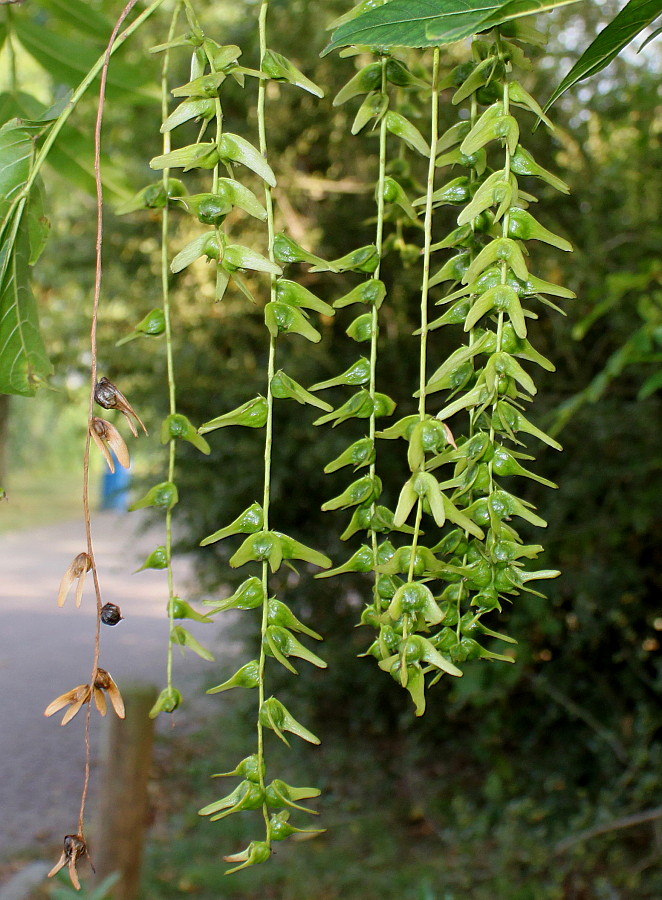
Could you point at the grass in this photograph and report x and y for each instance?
(396, 829)
(404, 822)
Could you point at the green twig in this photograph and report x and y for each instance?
(374, 321)
(268, 438)
(170, 367)
(425, 289)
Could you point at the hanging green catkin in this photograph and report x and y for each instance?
(431, 596)
(165, 195)
(285, 313)
(382, 82)
(482, 558)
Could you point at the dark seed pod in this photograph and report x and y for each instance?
(74, 847)
(105, 394)
(110, 397)
(111, 614)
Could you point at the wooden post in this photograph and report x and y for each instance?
(123, 803)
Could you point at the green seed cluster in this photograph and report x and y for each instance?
(383, 84)
(285, 313)
(431, 598)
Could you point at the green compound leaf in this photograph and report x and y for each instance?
(355, 11)
(38, 225)
(631, 20)
(72, 156)
(651, 37)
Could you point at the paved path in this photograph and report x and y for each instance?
(45, 651)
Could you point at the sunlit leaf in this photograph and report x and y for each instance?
(631, 21)
(68, 60)
(410, 23)
(516, 9)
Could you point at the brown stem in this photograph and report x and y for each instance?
(93, 378)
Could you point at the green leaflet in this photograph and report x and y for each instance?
(38, 225)
(651, 37)
(23, 360)
(16, 155)
(355, 11)
(19, 105)
(630, 21)
(428, 23)
(515, 9)
(405, 23)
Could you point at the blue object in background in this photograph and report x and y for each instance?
(115, 488)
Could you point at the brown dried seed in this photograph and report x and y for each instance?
(76, 571)
(109, 396)
(106, 436)
(74, 847)
(103, 681)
